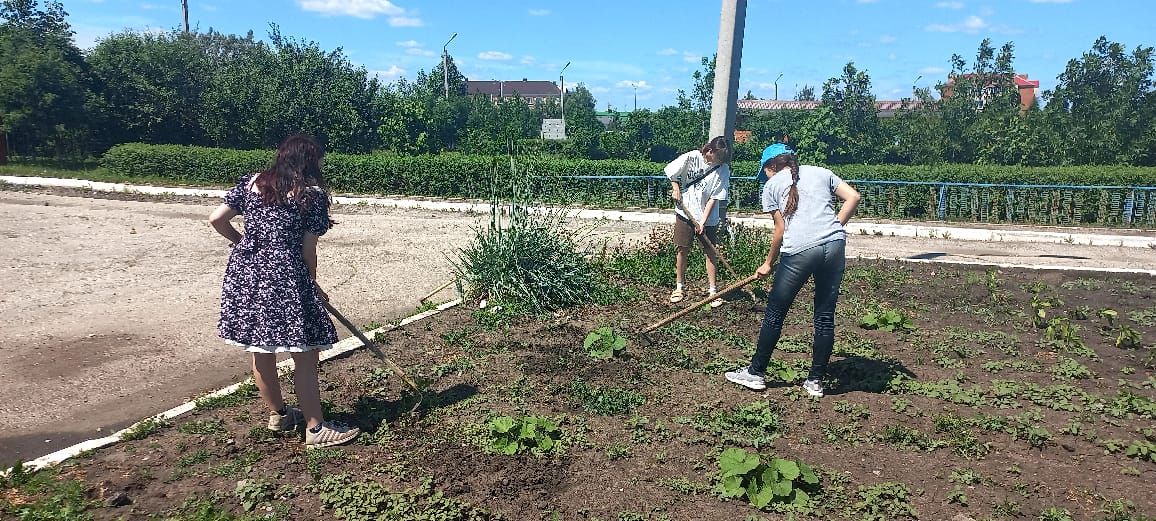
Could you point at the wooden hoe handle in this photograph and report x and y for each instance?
(699, 304)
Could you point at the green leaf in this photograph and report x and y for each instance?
(502, 424)
(735, 462)
(808, 474)
(762, 498)
(783, 488)
(802, 498)
(788, 468)
(732, 486)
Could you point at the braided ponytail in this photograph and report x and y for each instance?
(793, 194)
(777, 164)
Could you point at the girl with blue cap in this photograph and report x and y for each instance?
(809, 241)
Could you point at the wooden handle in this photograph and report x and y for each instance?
(372, 346)
(436, 291)
(700, 303)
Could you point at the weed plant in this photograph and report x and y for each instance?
(525, 258)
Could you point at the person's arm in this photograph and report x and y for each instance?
(850, 198)
(309, 251)
(705, 215)
(776, 244)
(675, 192)
(222, 220)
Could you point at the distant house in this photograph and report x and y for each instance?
(1027, 90)
(886, 108)
(534, 92)
(609, 116)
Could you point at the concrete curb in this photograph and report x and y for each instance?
(338, 349)
(855, 227)
(1040, 267)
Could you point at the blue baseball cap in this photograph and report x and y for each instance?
(770, 153)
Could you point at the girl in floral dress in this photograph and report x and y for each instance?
(270, 300)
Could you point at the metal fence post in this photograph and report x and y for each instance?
(942, 206)
(1129, 204)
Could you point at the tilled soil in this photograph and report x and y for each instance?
(971, 412)
(111, 299)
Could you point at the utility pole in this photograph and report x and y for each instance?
(562, 80)
(636, 97)
(446, 66)
(724, 102)
(185, 9)
(777, 86)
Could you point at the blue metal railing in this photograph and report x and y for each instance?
(1099, 205)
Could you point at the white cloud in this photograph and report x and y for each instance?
(667, 52)
(539, 12)
(598, 90)
(949, 5)
(887, 38)
(404, 21)
(527, 60)
(690, 57)
(494, 55)
(631, 84)
(971, 24)
(409, 44)
(367, 9)
(392, 73)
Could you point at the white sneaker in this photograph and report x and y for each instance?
(287, 422)
(744, 378)
(813, 388)
(331, 433)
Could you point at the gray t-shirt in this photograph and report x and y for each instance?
(693, 165)
(815, 221)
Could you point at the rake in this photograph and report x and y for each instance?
(373, 348)
(679, 314)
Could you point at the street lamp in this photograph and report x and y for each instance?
(446, 66)
(915, 83)
(777, 86)
(562, 80)
(635, 85)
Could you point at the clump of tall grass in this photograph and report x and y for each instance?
(525, 258)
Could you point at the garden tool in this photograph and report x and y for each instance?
(373, 348)
(710, 248)
(699, 304)
(436, 291)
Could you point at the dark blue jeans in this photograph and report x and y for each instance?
(826, 262)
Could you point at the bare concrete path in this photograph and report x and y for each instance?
(110, 306)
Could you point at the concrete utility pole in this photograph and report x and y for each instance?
(185, 8)
(562, 80)
(724, 104)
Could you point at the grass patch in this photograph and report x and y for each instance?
(244, 393)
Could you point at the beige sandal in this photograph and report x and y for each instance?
(677, 295)
(716, 302)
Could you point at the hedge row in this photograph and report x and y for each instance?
(462, 175)
(456, 175)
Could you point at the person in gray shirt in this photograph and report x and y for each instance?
(809, 241)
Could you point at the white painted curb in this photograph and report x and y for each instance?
(1040, 267)
(338, 349)
(857, 226)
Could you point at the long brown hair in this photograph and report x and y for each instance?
(296, 167)
(720, 147)
(777, 164)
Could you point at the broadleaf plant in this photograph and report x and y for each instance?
(510, 436)
(764, 481)
(603, 343)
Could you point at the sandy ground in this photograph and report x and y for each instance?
(110, 306)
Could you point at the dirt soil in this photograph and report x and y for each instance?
(971, 412)
(110, 300)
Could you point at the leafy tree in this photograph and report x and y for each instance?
(1104, 101)
(151, 87)
(852, 110)
(436, 81)
(807, 93)
(703, 93)
(43, 80)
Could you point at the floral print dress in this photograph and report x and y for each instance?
(268, 300)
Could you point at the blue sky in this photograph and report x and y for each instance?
(655, 45)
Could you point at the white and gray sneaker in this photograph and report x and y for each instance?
(813, 388)
(744, 378)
